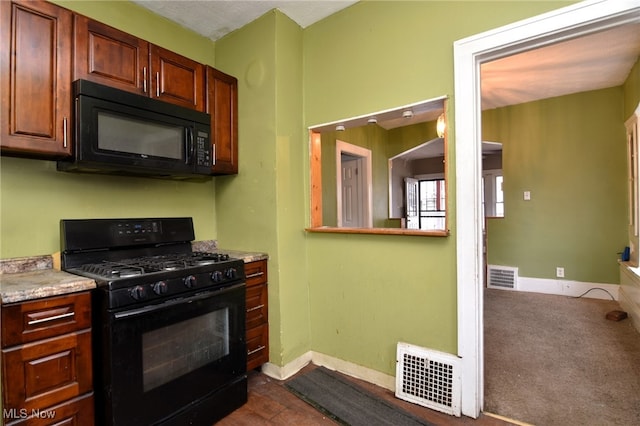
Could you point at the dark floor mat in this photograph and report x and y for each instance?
(346, 402)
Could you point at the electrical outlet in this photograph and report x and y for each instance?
(560, 272)
(527, 195)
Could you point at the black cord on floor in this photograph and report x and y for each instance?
(595, 288)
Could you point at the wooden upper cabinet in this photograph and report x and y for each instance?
(177, 79)
(35, 79)
(222, 104)
(114, 58)
(109, 56)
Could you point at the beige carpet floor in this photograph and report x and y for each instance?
(555, 360)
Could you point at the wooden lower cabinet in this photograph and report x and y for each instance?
(257, 336)
(46, 361)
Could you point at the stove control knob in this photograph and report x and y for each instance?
(160, 288)
(190, 281)
(231, 273)
(138, 292)
(216, 276)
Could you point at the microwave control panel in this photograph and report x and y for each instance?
(203, 150)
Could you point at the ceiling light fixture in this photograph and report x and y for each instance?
(441, 126)
(340, 128)
(407, 114)
(372, 120)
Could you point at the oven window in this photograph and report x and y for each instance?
(126, 134)
(175, 350)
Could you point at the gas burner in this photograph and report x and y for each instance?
(126, 268)
(112, 270)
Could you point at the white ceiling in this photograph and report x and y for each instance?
(595, 61)
(592, 62)
(216, 18)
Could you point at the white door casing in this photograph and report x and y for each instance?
(366, 176)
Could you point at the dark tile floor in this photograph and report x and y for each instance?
(270, 403)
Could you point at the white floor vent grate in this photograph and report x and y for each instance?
(502, 277)
(428, 378)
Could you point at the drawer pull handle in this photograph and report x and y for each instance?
(255, 308)
(53, 318)
(261, 347)
(257, 274)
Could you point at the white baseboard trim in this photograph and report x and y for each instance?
(358, 371)
(363, 373)
(288, 370)
(631, 308)
(568, 288)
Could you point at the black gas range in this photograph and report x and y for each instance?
(142, 261)
(169, 323)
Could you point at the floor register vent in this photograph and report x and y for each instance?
(502, 277)
(428, 378)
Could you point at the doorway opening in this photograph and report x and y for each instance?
(569, 22)
(353, 186)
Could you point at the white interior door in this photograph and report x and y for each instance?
(411, 202)
(352, 197)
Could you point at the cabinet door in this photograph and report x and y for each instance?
(109, 56)
(257, 346)
(47, 372)
(35, 78)
(177, 79)
(222, 104)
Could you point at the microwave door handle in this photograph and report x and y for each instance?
(188, 146)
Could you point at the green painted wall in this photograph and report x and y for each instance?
(263, 208)
(570, 152)
(34, 196)
(369, 292)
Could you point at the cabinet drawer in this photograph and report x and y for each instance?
(257, 346)
(45, 373)
(256, 272)
(29, 321)
(78, 411)
(257, 309)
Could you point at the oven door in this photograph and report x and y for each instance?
(163, 358)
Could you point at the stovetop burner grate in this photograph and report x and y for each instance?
(151, 264)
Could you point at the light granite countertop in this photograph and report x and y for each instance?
(30, 278)
(22, 286)
(212, 247)
(247, 256)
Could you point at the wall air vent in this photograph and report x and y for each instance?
(428, 378)
(502, 277)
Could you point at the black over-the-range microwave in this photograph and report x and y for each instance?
(119, 132)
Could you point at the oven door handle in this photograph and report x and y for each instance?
(173, 302)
